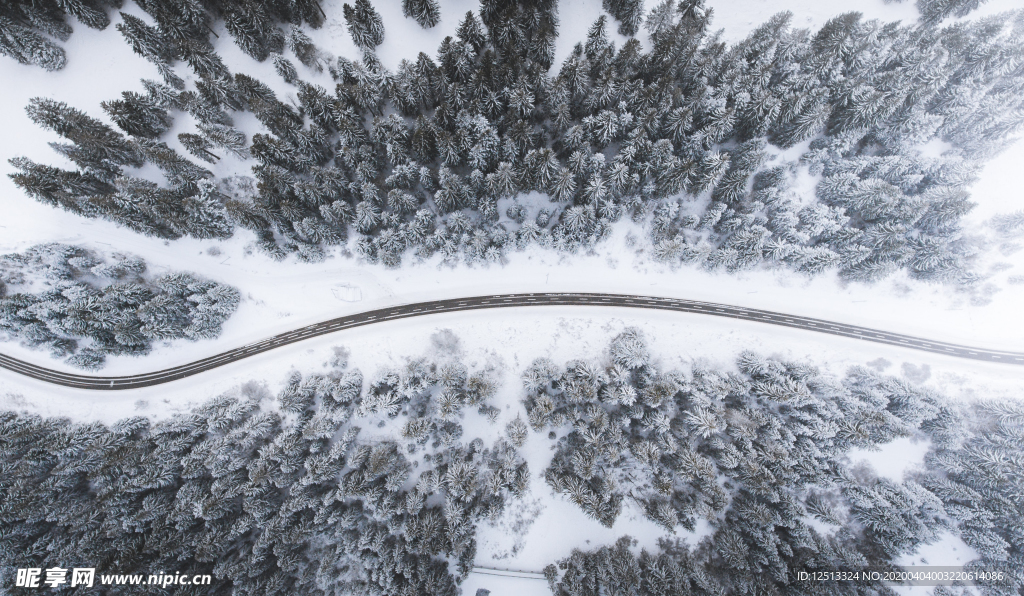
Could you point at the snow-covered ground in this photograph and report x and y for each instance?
(282, 296)
(894, 459)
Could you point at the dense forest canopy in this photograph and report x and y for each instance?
(444, 155)
(345, 485)
(761, 455)
(270, 495)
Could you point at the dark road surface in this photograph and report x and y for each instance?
(503, 301)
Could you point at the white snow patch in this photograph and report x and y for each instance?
(893, 459)
(934, 149)
(948, 551)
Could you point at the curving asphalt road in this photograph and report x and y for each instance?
(504, 301)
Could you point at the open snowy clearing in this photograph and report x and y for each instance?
(505, 586)
(280, 297)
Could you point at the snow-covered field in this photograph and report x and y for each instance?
(279, 296)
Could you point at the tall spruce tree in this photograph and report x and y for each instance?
(934, 11)
(28, 27)
(525, 28)
(138, 115)
(426, 12)
(29, 47)
(629, 14)
(364, 24)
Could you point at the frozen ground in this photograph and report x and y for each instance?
(894, 459)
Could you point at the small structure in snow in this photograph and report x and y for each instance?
(347, 293)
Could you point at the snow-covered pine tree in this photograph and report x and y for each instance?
(198, 146)
(286, 69)
(304, 49)
(364, 24)
(26, 27)
(29, 47)
(425, 12)
(629, 14)
(525, 28)
(935, 11)
(86, 132)
(149, 42)
(253, 30)
(138, 115)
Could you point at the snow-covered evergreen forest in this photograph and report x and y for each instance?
(686, 135)
(759, 453)
(272, 495)
(285, 494)
(82, 307)
(282, 163)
